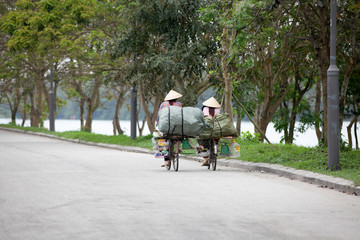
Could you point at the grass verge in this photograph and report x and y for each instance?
(144, 142)
(312, 159)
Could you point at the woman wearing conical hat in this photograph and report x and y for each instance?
(170, 100)
(211, 107)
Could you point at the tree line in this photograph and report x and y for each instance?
(271, 56)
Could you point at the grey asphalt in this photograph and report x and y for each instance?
(55, 189)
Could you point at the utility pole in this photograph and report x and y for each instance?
(52, 100)
(333, 96)
(133, 109)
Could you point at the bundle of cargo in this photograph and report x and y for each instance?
(181, 121)
(218, 127)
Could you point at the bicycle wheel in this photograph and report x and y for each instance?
(168, 167)
(171, 153)
(175, 145)
(210, 147)
(213, 155)
(176, 162)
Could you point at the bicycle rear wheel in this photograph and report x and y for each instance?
(168, 167)
(170, 153)
(174, 154)
(213, 156)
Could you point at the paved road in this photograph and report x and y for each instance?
(52, 189)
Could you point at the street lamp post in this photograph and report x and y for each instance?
(333, 96)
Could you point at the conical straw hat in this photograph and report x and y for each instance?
(211, 102)
(172, 95)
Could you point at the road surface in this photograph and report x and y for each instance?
(52, 189)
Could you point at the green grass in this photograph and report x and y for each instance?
(312, 159)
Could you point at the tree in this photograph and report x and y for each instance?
(168, 48)
(293, 106)
(117, 89)
(315, 18)
(266, 47)
(33, 28)
(348, 47)
(219, 17)
(352, 108)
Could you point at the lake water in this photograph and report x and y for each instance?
(105, 127)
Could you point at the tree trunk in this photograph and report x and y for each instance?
(323, 76)
(290, 138)
(116, 120)
(92, 104)
(32, 109)
(238, 122)
(141, 128)
(24, 112)
(116, 126)
(349, 130)
(82, 114)
(13, 110)
(296, 100)
(150, 117)
(36, 107)
(257, 115)
(344, 86)
(89, 116)
(355, 135)
(13, 116)
(14, 101)
(228, 87)
(271, 104)
(357, 113)
(317, 111)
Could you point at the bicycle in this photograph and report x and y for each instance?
(174, 151)
(213, 153)
(208, 150)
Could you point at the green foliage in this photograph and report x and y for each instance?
(249, 137)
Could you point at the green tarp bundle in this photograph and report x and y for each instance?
(181, 121)
(219, 126)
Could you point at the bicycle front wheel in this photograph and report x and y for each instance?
(213, 162)
(175, 161)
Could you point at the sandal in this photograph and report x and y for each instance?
(166, 163)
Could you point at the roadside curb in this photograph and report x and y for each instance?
(325, 181)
